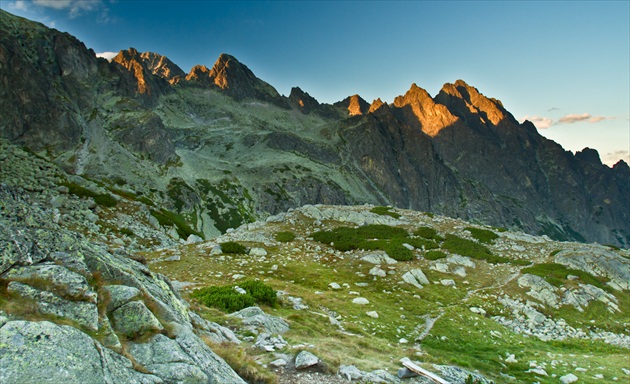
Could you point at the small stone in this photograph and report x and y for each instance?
(568, 379)
(510, 359)
(477, 310)
(360, 301)
(350, 372)
(334, 286)
(447, 282)
(278, 363)
(377, 271)
(538, 371)
(258, 252)
(403, 341)
(372, 314)
(305, 360)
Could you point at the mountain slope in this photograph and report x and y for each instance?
(221, 147)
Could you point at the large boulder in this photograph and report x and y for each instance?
(43, 352)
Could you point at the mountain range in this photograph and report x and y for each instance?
(220, 147)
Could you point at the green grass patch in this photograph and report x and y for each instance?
(167, 218)
(428, 233)
(285, 236)
(556, 274)
(227, 299)
(233, 247)
(482, 235)
(369, 237)
(102, 199)
(385, 211)
(465, 247)
(425, 244)
(435, 255)
(127, 231)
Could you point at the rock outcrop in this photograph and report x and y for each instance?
(80, 306)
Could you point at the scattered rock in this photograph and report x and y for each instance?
(568, 379)
(477, 310)
(350, 372)
(305, 360)
(416, 278)
(334, 286)
(258, 252)
(256, 318)
(377, 271)
(360, 301)
(372, 314)
(378, 258)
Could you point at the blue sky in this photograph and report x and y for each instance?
(564, 65)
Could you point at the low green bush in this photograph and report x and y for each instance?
(556, 274)
(428, 233)
(167, 219)
(385, 211)
(262, 293)
(434, 255)
(102, 199)
(368, 237)
(285, 237)
(425, 244)
(465, 247)
(127, 231)
(227, 299)
(482, 235)
(398, 252)
(224, 298)
(233, 247)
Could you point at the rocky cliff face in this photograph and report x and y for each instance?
(242, 151)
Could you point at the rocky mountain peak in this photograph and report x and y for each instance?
(433, 117)
(589, 155)
(468, 103)
(236, 79)
(132, 61)
(355, 105)
(163, 67)
(376, 104)
(302, 100)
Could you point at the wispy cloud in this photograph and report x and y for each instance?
(74, 8)
(583, 117)
(107, 55)
(553, 109)
(611, 158)
(539, 121)
(542, 122)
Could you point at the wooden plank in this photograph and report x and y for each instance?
(423, 372)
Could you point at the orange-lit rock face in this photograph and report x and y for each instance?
(162, 66)
(220, 70)
(376, 104)
(433, 117)
(354, 108)
(198, 72)
(128, 59)
(488, 110)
